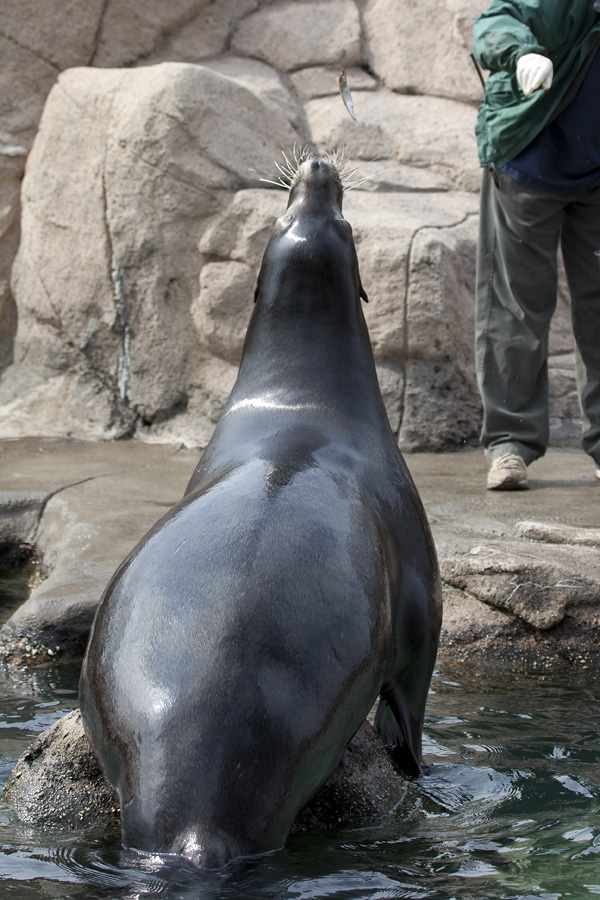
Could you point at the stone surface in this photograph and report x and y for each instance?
(12, 165)
(559, 534)
(114, 180)
(416, 260)
(125, 170)
(130, 33)
(428, 132)
(63, 32)
(293, 35)
(58, 781)
(540, 585)
(80, 514)
(521, 570)
(431, 54)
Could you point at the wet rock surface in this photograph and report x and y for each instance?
(58, 782)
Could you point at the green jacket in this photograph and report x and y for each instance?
(508, 120)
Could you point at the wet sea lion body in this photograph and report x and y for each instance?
(242, 643)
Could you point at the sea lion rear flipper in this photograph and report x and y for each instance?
(399, 730)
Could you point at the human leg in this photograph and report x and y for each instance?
(580, 243)
(515, 300)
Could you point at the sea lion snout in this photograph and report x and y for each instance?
(317, 185)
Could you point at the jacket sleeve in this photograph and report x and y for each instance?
(503, 34)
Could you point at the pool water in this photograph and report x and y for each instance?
(509, 807)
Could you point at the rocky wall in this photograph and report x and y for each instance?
(143, 217)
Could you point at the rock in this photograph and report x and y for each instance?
(297, 35)
(364, 785)
(428, 132)
(62, 38)
(130, 33)
(441, 400)
(429, 56)
(559, 534)
(190, 33)
(12, 164)
(539, 584)
(241, 231)
(221, 312)
(388, 176)
(237, 238)
(58, 781)
(265, 82)
(126, 168)
(81, 521)
(419, 277)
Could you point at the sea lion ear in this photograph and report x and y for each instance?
(257, 289)
(362, 293)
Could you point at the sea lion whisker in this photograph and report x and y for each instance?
(284, 173)
(352, 185)
(280, 184)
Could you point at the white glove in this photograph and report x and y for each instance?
(534, 71)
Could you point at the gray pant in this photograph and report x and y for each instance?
(516, 292)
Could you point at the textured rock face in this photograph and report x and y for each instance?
(423, 46)
(124, 172)
(58, 781)
(293, 36)
(131, 287)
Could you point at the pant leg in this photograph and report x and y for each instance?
(580, 243)
(516, 286)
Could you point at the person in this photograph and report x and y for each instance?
(538, 137)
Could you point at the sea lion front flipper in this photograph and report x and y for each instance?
(399, 730)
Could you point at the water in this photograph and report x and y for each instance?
(509, 808)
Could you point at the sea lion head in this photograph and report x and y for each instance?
(317, 184)
(311, 255)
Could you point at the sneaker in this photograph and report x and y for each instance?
(507, 473)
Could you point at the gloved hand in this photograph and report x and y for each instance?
(534, 71)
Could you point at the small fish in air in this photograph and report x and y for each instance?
(346, 95)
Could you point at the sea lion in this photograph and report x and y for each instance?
(242, 643)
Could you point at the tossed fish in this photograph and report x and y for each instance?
(346, 95)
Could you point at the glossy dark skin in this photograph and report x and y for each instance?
(242, 643)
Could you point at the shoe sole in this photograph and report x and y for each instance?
(509, 484)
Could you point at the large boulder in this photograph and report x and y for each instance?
(416, 257)
(125, 170)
